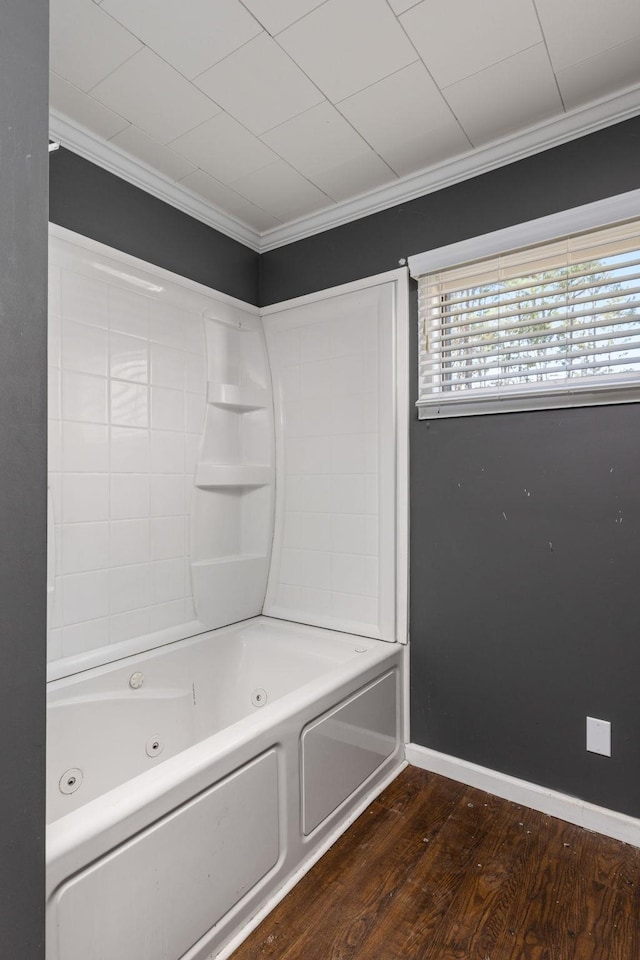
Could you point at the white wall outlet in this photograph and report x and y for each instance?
(599, 736)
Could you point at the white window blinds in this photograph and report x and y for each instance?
(548, 326)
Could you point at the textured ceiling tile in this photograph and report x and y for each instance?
(85, 43)
(160, 158)
(406, 120)
(578, 29)
(282, 192)
(275, 15)
(155, 97)
(349, 179)
(493, 30)
(603, 74)
(507, 97)
(83, 109)
(316, 140)
(228, 201)
(259, 85)
(345, 45)
(224, 149)
(191, 35)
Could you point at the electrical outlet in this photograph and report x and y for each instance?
(599, 736)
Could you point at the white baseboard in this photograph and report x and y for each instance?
(555, 804)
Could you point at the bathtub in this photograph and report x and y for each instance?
(190, 786)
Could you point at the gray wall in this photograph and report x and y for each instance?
(514, 641)
(95, 203)
(24, 37)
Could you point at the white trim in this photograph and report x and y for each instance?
(110, 157)
(620, 826)
(589, 216)
(326, 845)
(569, 126)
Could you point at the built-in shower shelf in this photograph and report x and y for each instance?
(210, 475)
(242, 399)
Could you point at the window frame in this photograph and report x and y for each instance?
(592, 216)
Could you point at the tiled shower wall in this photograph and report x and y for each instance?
(126, 406)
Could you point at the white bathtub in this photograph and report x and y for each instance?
(191, 800)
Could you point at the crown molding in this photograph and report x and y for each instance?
(569, 126)
(110, 157)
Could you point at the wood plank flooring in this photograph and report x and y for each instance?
(434, 870)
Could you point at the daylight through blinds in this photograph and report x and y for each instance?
(561, 319)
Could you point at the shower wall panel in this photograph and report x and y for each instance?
(127, 395)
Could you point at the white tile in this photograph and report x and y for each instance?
(166, 615)
(54, 446)
(84, 397)
(84, 348)
(288, 596)
(316, 341)
(53, 393)
(290, 567)
(355, 608)
(194, 411)
(54, 644)
(406, 120)
(53, 339)
(229, 201)
(315, 495)
(353, 574)
(602, 74)
(193, 326)
(282, 191)
(85, 43)
(127, 626)
(167, 409)
(129, 541)
(371, 495)
(191, 35)
(167, 367)
(224, 149)
(510, 96)
(347, 375)
(85, 448)
(315, 569)
(85, 596)
(348, 454)
(129, 496)
(346, 45)
(167, 538)
(54, 282)
(129, 587)
(195, 373)
(284, 345)
(315, 378)
(167, 496)
(128, 312)
(315, 601)
(167, 324)
(85, 546)
(129, 404)
(85, 636)
(83, 109)
(56, 613)
(191, 450)
(278, 14)
(83, 299)
(167, 452)
(315, 455)
(155, 97)
(576, 30)
(128, 357)
(154, 154)
(348, 414)
(129, 450)
(354, 534)
(493, 30)
(167, 580)
(348, 494)
(314, 533)
(259, 85)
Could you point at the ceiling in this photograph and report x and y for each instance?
(272, 119)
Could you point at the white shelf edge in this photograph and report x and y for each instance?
(231, 558)
(238, 398)
(232, 475)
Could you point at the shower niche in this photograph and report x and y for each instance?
(232, 513)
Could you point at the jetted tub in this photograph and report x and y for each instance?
(189, 785)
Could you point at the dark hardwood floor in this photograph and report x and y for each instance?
(434, 870)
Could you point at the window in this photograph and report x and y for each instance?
(551, 325)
